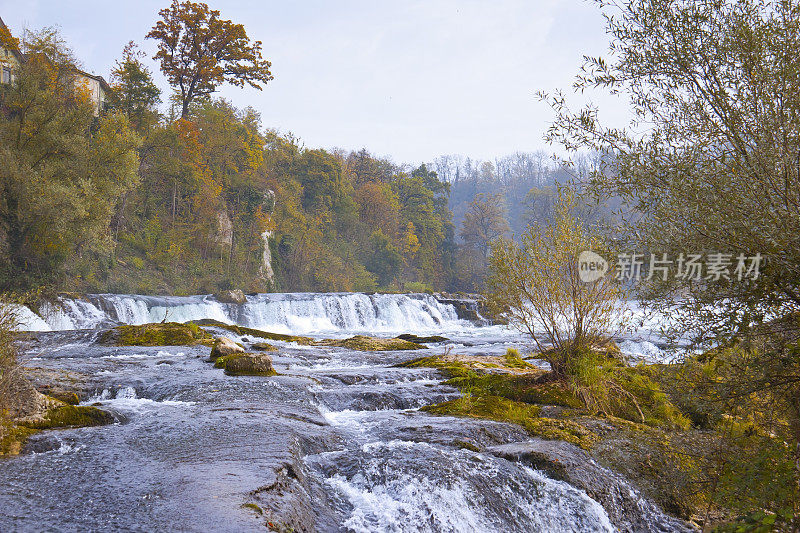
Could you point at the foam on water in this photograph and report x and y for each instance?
(277, 312)
(126, 399)
(445, 492)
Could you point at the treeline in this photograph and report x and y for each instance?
(134, 201)
(203, 197)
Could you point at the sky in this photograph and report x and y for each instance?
(409, 80)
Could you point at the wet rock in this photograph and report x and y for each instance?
(626, 508)
(246, 364)
(61, 415)
(163, 334)
(241, 330)
(263, 347)
(235, 296)
(223, 346)
(68, 397)
(372, 344)
(422, 340)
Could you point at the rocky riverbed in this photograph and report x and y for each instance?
(336, 441)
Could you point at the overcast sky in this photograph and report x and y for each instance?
(407, 79)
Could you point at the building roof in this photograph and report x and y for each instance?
(14, 51)
(103, 83)
(21, 57)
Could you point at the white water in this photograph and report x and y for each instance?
(444, 489)
(277, 312)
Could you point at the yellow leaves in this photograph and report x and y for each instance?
(410, 243)
(8, 41)
(538, 282)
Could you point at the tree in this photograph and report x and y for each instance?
(538, 286)
(61, 169)
(384, 260)
(715, 171)
(199, 51)
(133, 91)
(484, 222)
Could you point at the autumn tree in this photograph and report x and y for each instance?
(199, 51)
(715, 171)
(61, 169)
(133, 91)
(537, 284)
(484, 222)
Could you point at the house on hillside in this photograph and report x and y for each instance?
(97, 87)
(10, 56)
(10, 59)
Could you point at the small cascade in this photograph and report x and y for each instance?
(278, 312)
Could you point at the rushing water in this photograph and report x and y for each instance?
(334, 443)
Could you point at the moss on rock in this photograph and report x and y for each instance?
(166, 334)
(246, 364)
(222, 347)
(13, 434)
(372, 344)
(12, 437)
(68, 397)
(263, 347)
(65, 415)
(523, 414)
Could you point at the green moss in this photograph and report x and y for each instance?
(65, 416)
(654, 404)
(167, 334)
(466, 445)
(372, 344)
(520, 388)
(69, 397)
(263, 347)
(12, 438)
(253, 507)
(514, 360)
(523, 414)
(450, 368)
(245, 364)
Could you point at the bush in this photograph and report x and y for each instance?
(536, 284)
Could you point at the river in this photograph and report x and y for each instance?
(336, 442)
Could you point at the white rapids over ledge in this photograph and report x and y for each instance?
(297, 313)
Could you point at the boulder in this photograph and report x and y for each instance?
(224, 346)
(263, 347)
(246, 364)
(231, 297)
(422, 340)
(372, 344)
(164, 334)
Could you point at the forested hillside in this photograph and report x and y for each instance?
(136, 201)
(186, 193)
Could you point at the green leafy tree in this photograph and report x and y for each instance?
(133, 91)
(61, 173)
(715, 171)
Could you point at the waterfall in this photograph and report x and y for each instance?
(277, 312)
